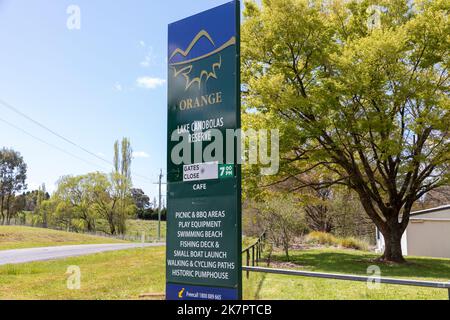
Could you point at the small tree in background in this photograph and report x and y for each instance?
(283, 220)
(121, 183)
(141, 201)
(41, 196)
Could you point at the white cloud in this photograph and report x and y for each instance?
(142, 43)
(118, 87)
(150, 59)
(140, 154)
(150, 82)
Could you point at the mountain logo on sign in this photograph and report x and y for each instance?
(186, 68)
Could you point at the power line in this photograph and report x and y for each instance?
(12, 108)
(52, 145)
(7, 105)
(48, 144)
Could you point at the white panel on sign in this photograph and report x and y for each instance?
(201, 171)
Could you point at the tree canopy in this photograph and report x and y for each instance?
(359, 91)
(13, 175)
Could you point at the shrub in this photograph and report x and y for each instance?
(327, 239)
(323, 238)
(353, 243)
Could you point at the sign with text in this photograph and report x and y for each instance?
(203, 175)
(201, 171)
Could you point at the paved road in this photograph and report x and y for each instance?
(50, 253)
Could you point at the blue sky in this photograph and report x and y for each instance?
(93, 85)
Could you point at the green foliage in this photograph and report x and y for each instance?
(13, 175)
(80, 202)
(121, 184)
(141, 201)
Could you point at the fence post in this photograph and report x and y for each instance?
(257, 254)
(253, 256)
(248, 262)
(260, 250)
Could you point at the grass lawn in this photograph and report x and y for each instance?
(126, 274)
(262, 286)
(15, 237)
(110, 275)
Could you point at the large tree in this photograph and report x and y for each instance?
(13, 175)
(141, 201)
(358, 89)
(74, 197)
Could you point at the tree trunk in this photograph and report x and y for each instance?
(112, 227)
(89, 225)
(286, 243)
(2, 199)
(390, 227)
(286, 251)
(393, 243)
(8, 210)
(44, 219)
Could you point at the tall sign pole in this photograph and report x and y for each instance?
(204, 260)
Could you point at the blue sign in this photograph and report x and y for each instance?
(203, 257)
(186, 292)
(202, 34)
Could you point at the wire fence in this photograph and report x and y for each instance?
(132, 236)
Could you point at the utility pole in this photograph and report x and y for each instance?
(159, 207)
(160, 183)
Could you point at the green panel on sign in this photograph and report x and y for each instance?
(204, 188)
(226, 171)
(203, 248)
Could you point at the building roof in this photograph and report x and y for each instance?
(431, 210)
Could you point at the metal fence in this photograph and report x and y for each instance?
(260, 245)
(254, 253)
